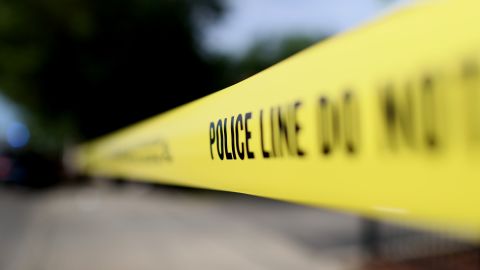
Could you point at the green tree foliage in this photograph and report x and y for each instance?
(263, 54)
(104, 64)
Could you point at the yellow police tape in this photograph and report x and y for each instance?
(383, 121)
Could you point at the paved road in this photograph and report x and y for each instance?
(139, 227)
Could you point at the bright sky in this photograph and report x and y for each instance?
(12, 130)
(248, 20)
(8, 113)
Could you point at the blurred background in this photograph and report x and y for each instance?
(72, 70)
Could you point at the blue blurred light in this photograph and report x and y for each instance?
(17, 135)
